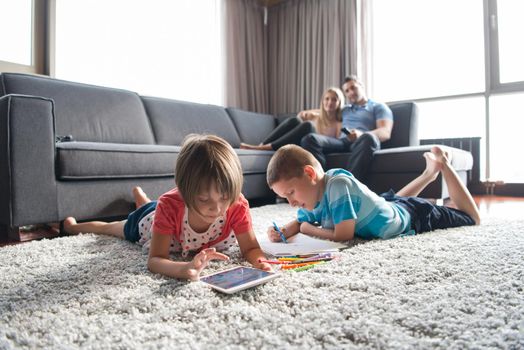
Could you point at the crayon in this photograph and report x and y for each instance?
(314, 259)
(294, 266)
(280, 232)
(307, 267)
(300, 260)
(274, 261)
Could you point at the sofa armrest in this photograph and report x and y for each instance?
(27, 155)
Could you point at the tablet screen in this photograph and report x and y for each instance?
(236, 278)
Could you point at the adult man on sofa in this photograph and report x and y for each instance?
(368, 124)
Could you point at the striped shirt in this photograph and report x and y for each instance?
(346, 198)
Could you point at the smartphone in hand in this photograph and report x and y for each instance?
(345, 130)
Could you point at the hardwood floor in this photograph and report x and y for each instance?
(489, 206)
(501, 207)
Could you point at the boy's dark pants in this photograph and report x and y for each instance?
(426, 216)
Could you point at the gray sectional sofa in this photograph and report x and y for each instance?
(71, 149)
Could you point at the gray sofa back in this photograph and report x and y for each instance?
(405, 126)
(252, 127)
(99, 114)
(87, 112)
(172, 120)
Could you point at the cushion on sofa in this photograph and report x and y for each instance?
(87, 112)
(97, 160)
(254, 161)
(173, 120)
(252, 127)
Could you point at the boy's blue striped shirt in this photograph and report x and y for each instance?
(346, 198)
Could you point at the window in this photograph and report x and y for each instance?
(452, 118)
(22, 45)
(437, 53)
(427, 48)
(158, 47)
(16, 46)
(506, 137)
(510, 29)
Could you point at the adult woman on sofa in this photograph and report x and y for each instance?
(327, 121)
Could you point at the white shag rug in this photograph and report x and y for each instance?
(449, 289)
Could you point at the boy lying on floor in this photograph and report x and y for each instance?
(344, 207)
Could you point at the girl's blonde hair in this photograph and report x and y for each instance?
(206, 160)
(323, 120)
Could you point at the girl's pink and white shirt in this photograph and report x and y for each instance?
(171, 217)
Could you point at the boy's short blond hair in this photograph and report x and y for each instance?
(205, 160)
(289, 162)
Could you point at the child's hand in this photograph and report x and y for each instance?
(201, 260)
(263, 266)
(273, 235)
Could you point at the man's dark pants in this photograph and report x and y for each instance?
(361, 150)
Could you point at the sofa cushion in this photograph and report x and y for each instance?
(173, 120)
(252, 127)
(254, 161)
(87, 112)
(97, 160)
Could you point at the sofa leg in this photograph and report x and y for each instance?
(27, 233)
(9, 234)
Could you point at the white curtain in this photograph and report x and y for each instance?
(305, 47)
(245, 77)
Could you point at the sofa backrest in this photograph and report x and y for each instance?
(405, 126)
(252, 127)
(87, 112)
(173, 120)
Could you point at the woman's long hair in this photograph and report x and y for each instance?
(324, 121)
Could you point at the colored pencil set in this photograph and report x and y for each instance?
(300, 263)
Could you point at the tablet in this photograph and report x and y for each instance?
(237, 278)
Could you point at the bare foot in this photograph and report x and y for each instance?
(246, 146)
(436, 160)
(256, 147)
(441, 154)
(140, 197)
(433, 167)
(68, 223)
